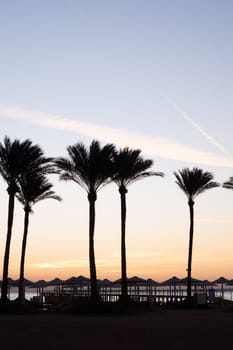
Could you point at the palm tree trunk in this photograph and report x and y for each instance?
(189, 269)
(7, 248)
(22, 262)
(93, 278)
(124, 292)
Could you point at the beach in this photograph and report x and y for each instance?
(165, 328)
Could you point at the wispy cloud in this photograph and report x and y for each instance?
(151, 145)
(82, 262)
(111, 259)
(61, 264)
(197, 127)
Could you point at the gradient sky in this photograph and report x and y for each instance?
(155, 75)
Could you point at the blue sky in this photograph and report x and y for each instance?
(156, 75)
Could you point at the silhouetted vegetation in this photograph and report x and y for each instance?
(24, 168)
(91, 169)
(129, 166)
(193, 182)
(229, 184)
(16, 159)
(33, 188)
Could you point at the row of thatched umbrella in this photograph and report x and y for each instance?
(81, 280)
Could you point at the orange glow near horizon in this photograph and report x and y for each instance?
(202, 269)
(156, 238)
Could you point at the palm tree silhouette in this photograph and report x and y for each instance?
(91, 169)
(129, 167)
(33, 188)
(193, 182)
(229, 184)
(15, 159)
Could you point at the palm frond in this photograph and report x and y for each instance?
(90, 168)
(17, 158)
(130, 166)
(194, 181)
(229, 184)
(35, 187)
(47, 195)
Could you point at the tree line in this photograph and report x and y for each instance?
(25, 169)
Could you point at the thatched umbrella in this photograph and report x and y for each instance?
(56, 283)
(83, 280)
(26, 282)
(150, 284)
(132, 281)
(39, 286)
(172, 282)
(136, 282)
(76, 282)
(194, 282)
(117, 282)
(104, 286)
(104, 283)
(70, 281)
(221, 280)
(205, 284)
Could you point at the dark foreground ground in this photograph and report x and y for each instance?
(160, 329)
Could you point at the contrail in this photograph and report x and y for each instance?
(151, 145)
(198, 128)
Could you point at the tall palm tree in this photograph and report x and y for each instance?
(15, 159)
(129, 166)
(33, 188)
(193, 182)
(91, 169)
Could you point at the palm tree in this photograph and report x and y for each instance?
(91, 169)
(33, 188)
(15, 159)
(193, 182)
(229, 184)
(129, 167)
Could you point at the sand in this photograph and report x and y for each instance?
(164, 329)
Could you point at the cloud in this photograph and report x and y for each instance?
(151, 145)
(198, 128)
(82, 262)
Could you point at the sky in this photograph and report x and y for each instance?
(150, 74)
